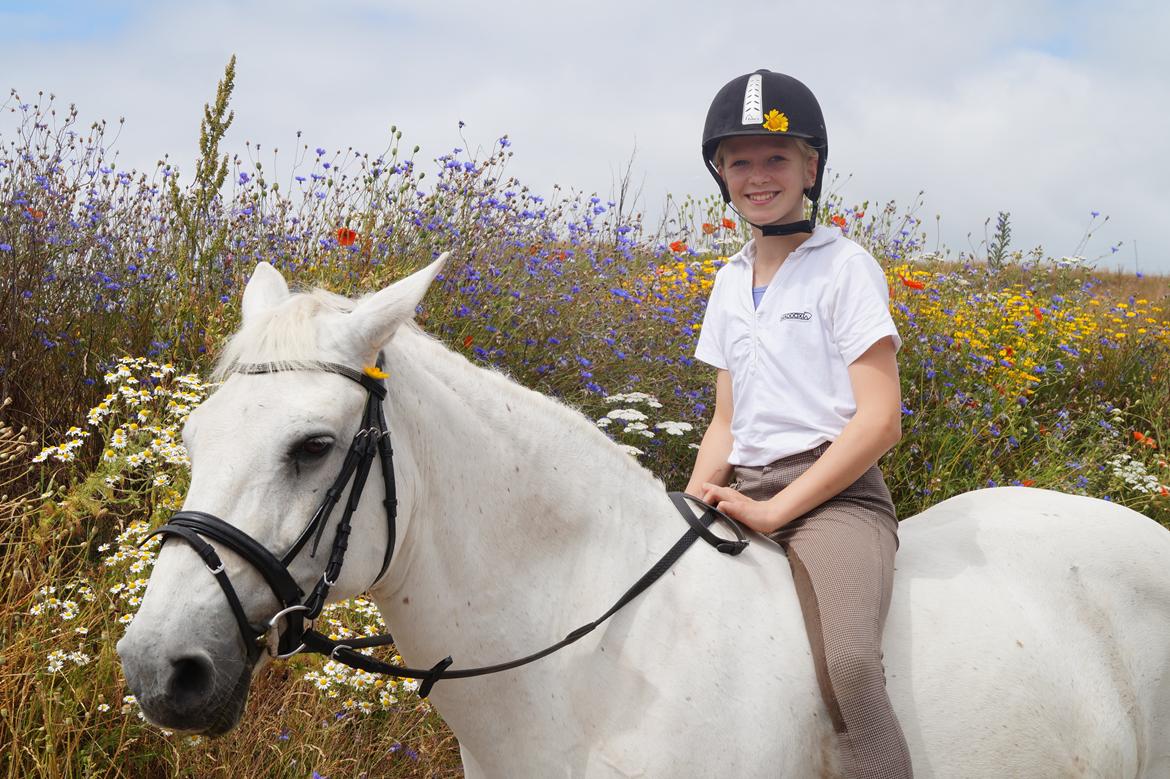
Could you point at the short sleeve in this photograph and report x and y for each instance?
(861, 307)
(709, 348)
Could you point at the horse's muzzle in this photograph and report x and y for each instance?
(195, 690)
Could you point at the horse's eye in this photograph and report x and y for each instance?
(314, 447)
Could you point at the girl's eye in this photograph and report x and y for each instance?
(314, 447)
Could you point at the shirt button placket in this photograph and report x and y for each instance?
(755, 337)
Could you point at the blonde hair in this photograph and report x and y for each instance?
(802, 146)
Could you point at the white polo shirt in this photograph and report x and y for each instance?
(788, 359)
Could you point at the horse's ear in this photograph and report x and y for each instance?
(376, 318)
(266, 289)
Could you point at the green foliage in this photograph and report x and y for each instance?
(997, 249)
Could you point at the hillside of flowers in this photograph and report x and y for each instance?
(119, 286)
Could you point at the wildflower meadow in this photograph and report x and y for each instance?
(119, 286)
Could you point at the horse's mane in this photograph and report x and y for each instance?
(285, 334)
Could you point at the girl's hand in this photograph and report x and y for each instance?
(761, 516)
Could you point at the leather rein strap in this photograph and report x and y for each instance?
(373, 438)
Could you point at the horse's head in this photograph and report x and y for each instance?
(265, 450)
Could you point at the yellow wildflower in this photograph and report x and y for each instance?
(775, 121)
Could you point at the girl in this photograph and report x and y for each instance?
(807, 400)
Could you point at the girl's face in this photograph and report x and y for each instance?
(767, 177)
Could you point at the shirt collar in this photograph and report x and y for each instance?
(822, 235)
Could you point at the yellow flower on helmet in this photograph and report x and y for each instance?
(775, 121)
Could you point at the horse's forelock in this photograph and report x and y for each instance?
(285, 333)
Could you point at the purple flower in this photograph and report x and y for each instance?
(244, 178)
(320, 151)
(5, 247)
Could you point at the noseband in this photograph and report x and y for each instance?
(372, 438)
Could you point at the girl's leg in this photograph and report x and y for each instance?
(842, 558)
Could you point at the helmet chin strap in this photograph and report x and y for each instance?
(791, 228)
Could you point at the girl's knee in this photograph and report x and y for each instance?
(854, 669)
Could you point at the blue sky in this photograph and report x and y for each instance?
(1049, 110)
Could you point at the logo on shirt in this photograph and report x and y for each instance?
(803, 316)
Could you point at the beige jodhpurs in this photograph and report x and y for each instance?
(842, 558)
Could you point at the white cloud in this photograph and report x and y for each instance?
(1042, 108)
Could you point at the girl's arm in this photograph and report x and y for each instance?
(711, 461)
(872, 432)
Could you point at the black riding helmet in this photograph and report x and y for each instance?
(767, 103)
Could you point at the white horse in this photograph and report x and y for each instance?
(1029, 634)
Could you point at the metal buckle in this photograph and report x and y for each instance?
(271, 636)
(333, 652)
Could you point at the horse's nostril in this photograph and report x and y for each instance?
(191, 681)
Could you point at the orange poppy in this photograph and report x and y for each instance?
(1027, 482)
(467, 342)
(345, 236)
(912, 283)
(35, 213)
(708, 228)
(678, 247)
(859, 215)
(1036, 312)
(728, 223)
(1145, 440)
(838, 220)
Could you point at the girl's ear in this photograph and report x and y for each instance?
(810, 170)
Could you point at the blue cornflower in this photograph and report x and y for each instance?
(320, 151)
(244, 178)
(5, 247)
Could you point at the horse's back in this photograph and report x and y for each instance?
(1030, 633)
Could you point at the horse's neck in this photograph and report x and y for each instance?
(523, 519)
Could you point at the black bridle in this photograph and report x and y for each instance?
(372, 439)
